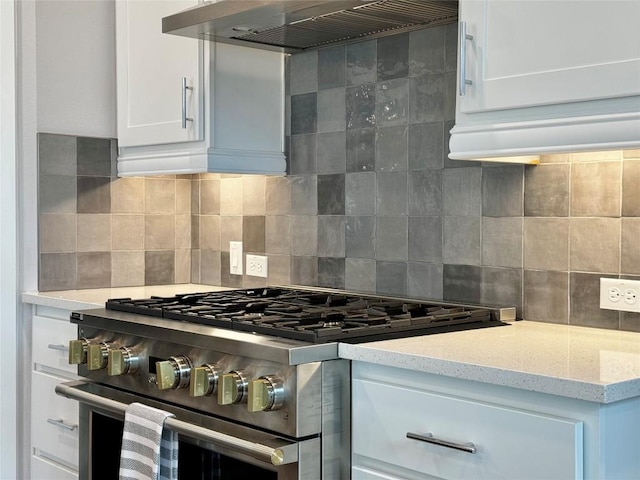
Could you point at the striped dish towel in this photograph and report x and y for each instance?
(149, 451)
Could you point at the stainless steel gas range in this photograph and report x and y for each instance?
(252, 376)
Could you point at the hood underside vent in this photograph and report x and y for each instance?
(292, 26)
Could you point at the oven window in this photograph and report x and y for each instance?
(194, 463)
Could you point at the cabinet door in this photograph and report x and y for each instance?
(49, 343)
(42, 469)
(528, 52)
(150, 71)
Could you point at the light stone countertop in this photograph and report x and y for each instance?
(95, 298)
(576, 362)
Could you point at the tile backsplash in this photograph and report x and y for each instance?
(372, 202)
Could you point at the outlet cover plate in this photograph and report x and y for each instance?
(257, 266)
(619, 294)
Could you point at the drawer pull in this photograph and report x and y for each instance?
(60, 423)
(429, 438)
(61, 348)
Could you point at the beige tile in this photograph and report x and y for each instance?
(210, 196)
(57, 232)
(555, 158)
(127, 232)
(183, 196)
(94, 233)
(127, 195)
(159, 232)
(57, 271)
(183, 266)
(127, 268)
(195, 196)
(595, 189)
(94, 270)
(630, 188)
(278, 193)
(210, 267)
(631, 153)
(279, 269)
(277, 232)
(195, 266)
(630, 261)
(210, 232)
(254, 194)
(231, 196)
(546, 244)
(183, 231)
(594, 245)
(598, 156)
(159, 195)
(230, 231)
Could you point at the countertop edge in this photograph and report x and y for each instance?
(35, 298)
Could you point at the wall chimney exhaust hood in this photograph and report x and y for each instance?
(296, 25)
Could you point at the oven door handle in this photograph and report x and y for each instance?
(276, 456)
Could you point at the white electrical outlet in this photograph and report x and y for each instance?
(257, 266)
(618, 294)
(235, 258)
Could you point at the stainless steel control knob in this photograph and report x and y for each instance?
(265, 393)
(121, 361)
(78, 351)
(232, 388)
(97, 355)
(173, 373)
(204, 380)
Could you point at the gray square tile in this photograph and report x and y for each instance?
(304, 270)
(304, 236)
(392, 193)
(451, 47)
(360, 237)
(630, 256)
(392, 146)
(630, 190)
(392, 239)
(461, 240)
(231, 193)
(195, 231)
(595, 189)
(195, 266)
(425, 239)
(546, 190)
(461, 192)
(546, 296)
(94, 194)
(360, 275)
(331, 236)
(392, 102)
(425, 280)
(331, 272)
(254, 201)
(278, 195)
(159, 232)
(332, 67)
(361, 106)
(331, 194)
(57, 232)
(427, 94)
(304, 195)
(127, 195)
(502, 241)
(450, 95)
(211, 268)
(278, 235)
(57, 272)
(426, 51)
(502, 191)
(160, 195)
(230, 231)
(303, 154)
(127, 269)
(630, 321)
(253, 234)
(304, 113)
(127, 232)
(94, 270)
(584, 309)
(546, 243)
(331, 154)
(303, 72)
(57, 194)
(426, 146)
(210, 197)
(425, 193)
(332, 110)
(594, 245)
(393, 57)
(391, 278)
(94, 156)
(57, 154)
(503, 287)
(94, 233)
(462, 283)
(226, 278)
(361, 62)
(361, 150)
(210, 232)
(279, 269)
(360, 193)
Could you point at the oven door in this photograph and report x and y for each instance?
(209, 448)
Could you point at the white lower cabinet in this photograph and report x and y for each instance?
(54, 419)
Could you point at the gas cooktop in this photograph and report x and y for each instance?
(315, 315)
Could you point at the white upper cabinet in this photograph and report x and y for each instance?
(189, 106)
(538, 77)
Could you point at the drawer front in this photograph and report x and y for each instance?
(54, 440)
(50, 342)
(509, 443)
(42, 469)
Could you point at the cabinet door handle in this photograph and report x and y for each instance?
(61, 348)
(60, 423)
(468, 447)
(463, 81)
(185, 87)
